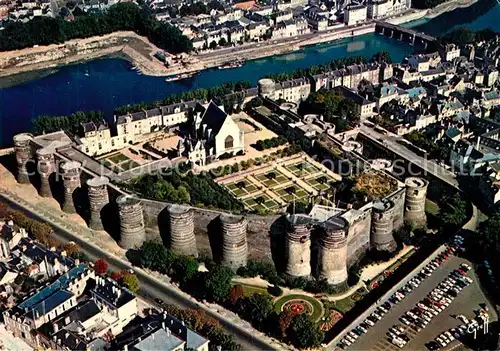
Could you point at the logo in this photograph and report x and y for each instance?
(474, 328)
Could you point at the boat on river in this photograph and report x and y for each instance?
(181, 76)
(232, 64)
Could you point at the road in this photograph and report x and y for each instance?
(299, 40)
(150, 288)
(389, 141)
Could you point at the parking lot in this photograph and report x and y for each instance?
(467, 300)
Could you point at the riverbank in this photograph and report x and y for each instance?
(36, 62)
(128, 45)
(279, 47)
(448, 6)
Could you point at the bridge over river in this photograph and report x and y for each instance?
(404, 34)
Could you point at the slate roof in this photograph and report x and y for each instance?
(453, 132)
(213, 117)
(51, 302)
(60, 283)
(351, 95)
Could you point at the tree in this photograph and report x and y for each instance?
(101, 266)
(155, 256)
(461, 36)
(347, 110)
(183, 195)
(117, 276)
(382, 56)
(403, 234)
(81, 256)
(213, 45)
(453, 212)
(131, 282)
(218, 283)
(255, 102)
(275, 290)
(285, 318)
(222, 42)
(185, 188)
(185, 268)
(235, 294)
(304, 332)
(52, 242)
(71, 249)
(490, 230)
(257, 308)
(121, 16)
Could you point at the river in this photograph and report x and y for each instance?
(107, 83)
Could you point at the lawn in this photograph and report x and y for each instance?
(317, 306)
(342, 306)
(288, 196)
(302, 168)
(431, 207)
(241, 188)
(272, 178)
(252, 289)
(320, 182)
(129, 165)
(266, 204)
(118, 158)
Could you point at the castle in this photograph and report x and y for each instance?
(343, 234)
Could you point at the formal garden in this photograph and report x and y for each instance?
(118, 162)
(268, 189)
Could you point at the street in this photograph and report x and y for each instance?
(150, 288)
(389, 141)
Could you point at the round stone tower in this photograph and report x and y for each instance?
(332, 251)
(416, 191)
(181, 230)
(298, 245)
(266, 87)
(382, 226)
(132, 231)
(98, 198)
(24, 151)
(46, 166)
(71, 182)
(234, 241)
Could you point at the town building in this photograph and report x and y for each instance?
(10, 236)
(160, 332)
(355, 14)
(79, 310)
(364, 108)
(379, 9)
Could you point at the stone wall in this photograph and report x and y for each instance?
(259, 246)
(398, 197)
(358, 237)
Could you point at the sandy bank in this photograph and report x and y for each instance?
(448, 6)
(129, 45)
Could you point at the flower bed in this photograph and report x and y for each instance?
(298, 303)
(330, 320)
(298, 306)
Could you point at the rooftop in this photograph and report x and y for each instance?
(61, 283)
(160, 340)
